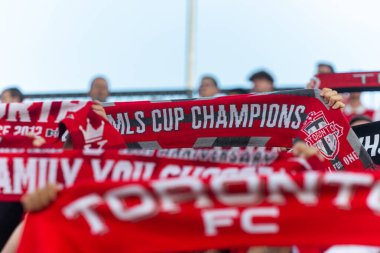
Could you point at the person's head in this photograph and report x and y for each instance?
(262, 81)
(354, 96)
(359, 120)
(99, 89)
(11, 95)
(325, 68)
(208, 87)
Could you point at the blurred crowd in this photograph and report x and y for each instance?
(99, 90)
(261, 81)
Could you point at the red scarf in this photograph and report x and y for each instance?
(244, 155)
(88, 130)
(272, 120)
(38, 118)
(352, 81)
(25, 171)
(18, 141)
(187, 214)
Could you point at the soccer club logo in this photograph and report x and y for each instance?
(93, 137)
(322, 134)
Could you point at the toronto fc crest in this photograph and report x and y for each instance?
(322, 134)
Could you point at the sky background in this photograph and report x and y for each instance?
(59, 45)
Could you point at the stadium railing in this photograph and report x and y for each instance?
(127, 95)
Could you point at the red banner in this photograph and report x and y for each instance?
(37, 118)
(266, 120)
(275, 119)
(352, 81)
(187, 214)
(25, 171)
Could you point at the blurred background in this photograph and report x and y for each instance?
(60, 45)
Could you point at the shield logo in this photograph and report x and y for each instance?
(322, 134)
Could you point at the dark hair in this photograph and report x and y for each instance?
(15, 92)
(237, 91)
(261, 75)
(213, 79)
(96, 78)
(327, 65)
(357, 118)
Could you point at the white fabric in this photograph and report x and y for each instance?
(352, 249)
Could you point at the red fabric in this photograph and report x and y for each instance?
(244, 155)
(25, 171)
(357, 80)
(38, 118)
(88, 130)
(42, 119)
(270, 120)
(147, 217)
(175, 124)
(304, 249)
(309, 249)
(19, 141)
